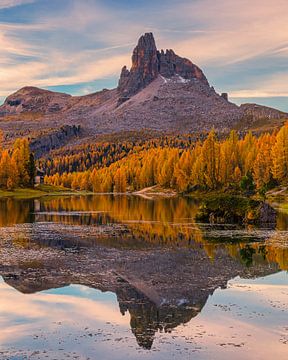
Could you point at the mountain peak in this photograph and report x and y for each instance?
(34, 99)
(148, 63)
(147, 40)
(144, 68)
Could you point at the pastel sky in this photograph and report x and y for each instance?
(79, 46)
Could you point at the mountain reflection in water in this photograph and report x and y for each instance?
(146, 318)
(98, 269)
(86, 323)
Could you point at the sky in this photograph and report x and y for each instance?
(80, 46)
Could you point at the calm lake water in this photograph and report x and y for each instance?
(246, 318)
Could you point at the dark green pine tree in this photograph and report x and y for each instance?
(31, 168)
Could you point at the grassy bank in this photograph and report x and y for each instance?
(39, 191)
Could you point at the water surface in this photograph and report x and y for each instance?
(245, 317)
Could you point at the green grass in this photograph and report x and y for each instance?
(284, 207)
(51, 188)
(39, 191)
(21, 193)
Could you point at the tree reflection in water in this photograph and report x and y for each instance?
(130, 222)
(134, 222)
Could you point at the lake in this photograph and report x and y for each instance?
(126, 277)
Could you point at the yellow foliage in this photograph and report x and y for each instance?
(211, 164)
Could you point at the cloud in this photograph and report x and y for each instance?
(5, 4)
(62, 48)
(10, 46)
(45, 309)
(274, 85)
(71, 42)
(231, 31)
(82, 68)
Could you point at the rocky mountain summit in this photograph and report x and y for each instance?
(162, 92)
(32, 99)
(148, 63)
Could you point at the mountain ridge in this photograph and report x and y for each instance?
(161, 91)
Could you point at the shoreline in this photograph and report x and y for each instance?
(36, 193)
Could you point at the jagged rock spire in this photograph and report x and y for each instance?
(144, 67)
(148, 63)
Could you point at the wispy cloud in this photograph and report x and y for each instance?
(270, 86)
(5, 4)
(232, 31)
(71, 42)
(68, 72)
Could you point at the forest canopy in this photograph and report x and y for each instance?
(17, 166)
(249, 163)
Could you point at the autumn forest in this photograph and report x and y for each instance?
(246, 163)
(249, 163)
(17, 166)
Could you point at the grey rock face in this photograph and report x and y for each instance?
(54, 140)
(148, 63)
(34, 100)
(144, 67)
(171, 64)
(256, 112)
